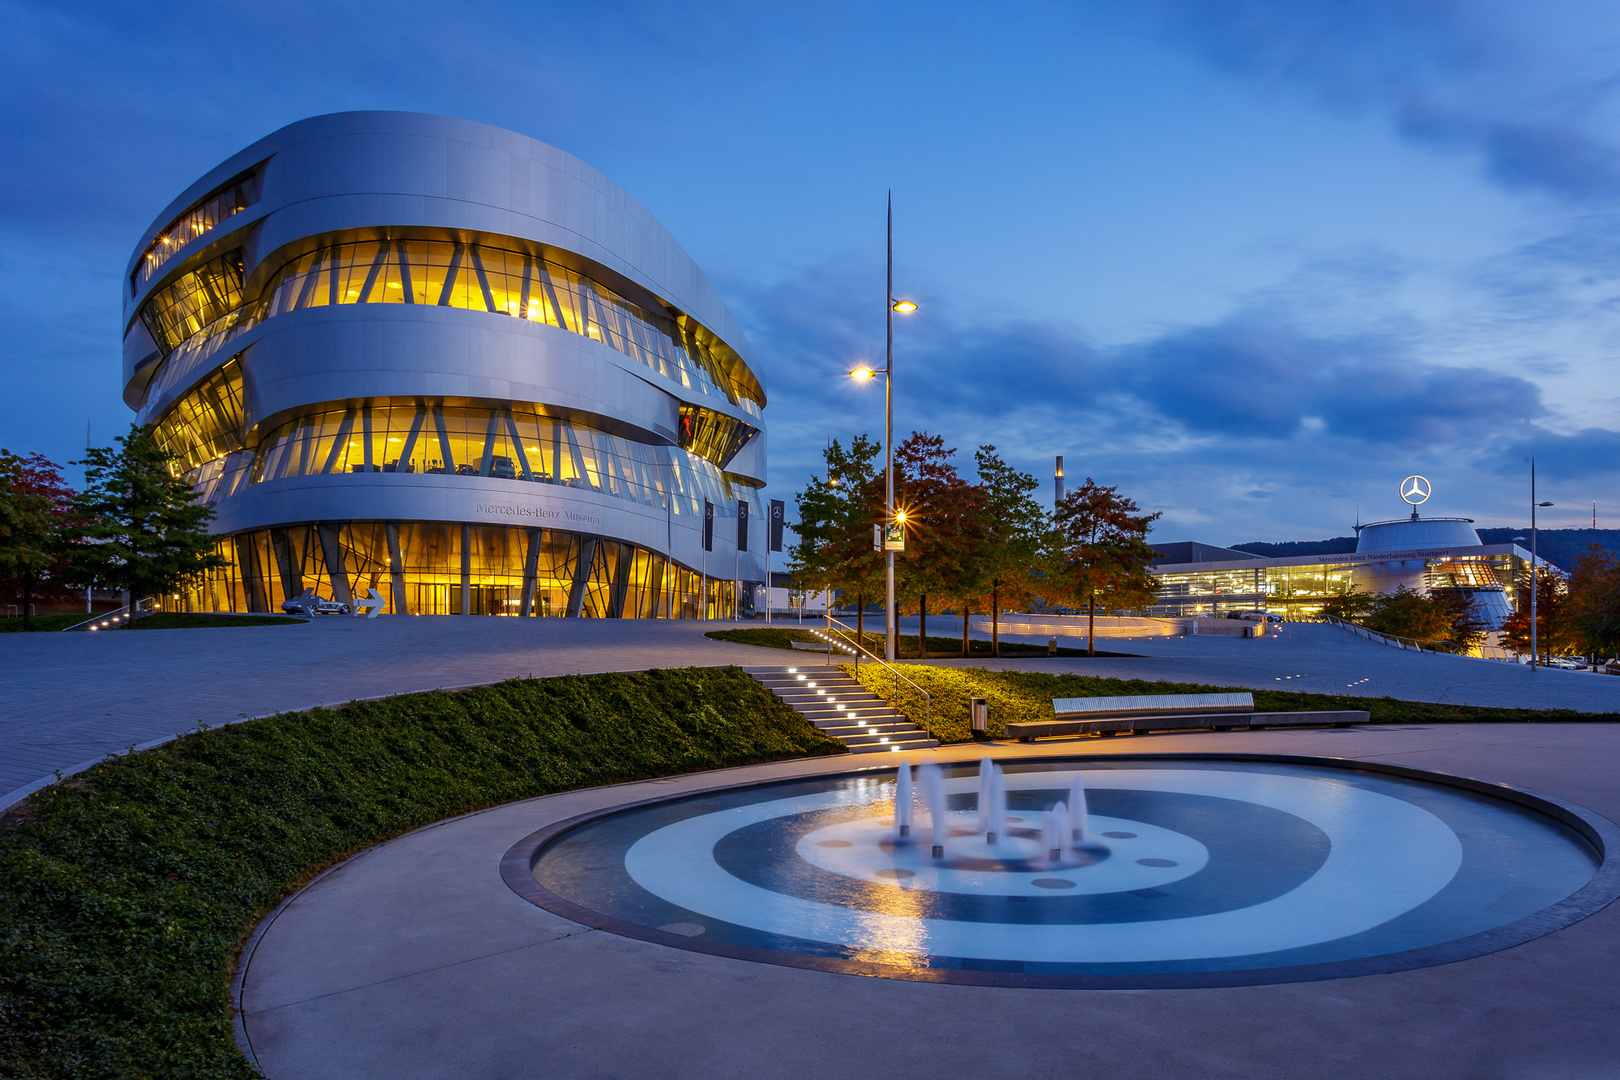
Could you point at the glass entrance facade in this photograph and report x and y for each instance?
(437, 568)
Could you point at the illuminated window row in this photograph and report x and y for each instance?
(713, 435)
(512, 443)
(436, 568)
(229, 200)
(207, 423)
(194, 300)
(499, 281)
(196, 316)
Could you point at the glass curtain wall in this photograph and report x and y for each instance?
(207, 423)
(512, 443)
(194, 300)
(500, 281)
(229, 200)
(439, 568)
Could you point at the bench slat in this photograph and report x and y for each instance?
(1153, 702)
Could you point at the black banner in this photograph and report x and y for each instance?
(778, 510)
(742, 525)
(708, 525)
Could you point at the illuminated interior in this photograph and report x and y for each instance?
(228, 201)
(194, 300)
(513, 442)
(204, 309)
(439, 568)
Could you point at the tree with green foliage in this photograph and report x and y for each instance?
(1352, 605)
(144, 531)
(1441, 615)
(1100, 551)
(36, 520)
(1017, 534)
(945, 528)
(1594, 588)
(836, 515)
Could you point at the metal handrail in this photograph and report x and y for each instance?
(834, 626)
(1396, 640)
(111, 619)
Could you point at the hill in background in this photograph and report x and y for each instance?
(1561, 547)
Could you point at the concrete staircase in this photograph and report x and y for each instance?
(843, 708)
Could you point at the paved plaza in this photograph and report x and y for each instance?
(68, 699)
(415, 959)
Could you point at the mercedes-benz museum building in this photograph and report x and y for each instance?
(450, 363)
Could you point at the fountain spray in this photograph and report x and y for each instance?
(986, 786)
(933, 785)
(902, 801)
(1054, 833)
(997, 815)
(1078, 813)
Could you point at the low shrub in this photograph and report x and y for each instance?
(126, 890)
(1017, 696)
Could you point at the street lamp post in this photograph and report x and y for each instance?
(1533, 561)
(860, 374)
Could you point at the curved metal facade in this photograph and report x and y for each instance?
(452, 363)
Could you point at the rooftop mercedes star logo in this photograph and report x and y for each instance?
(1415, 490)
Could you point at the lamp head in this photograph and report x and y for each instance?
(1543, 504)
(862, 373)
(905, 307)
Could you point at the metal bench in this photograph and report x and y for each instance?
(1168, 712)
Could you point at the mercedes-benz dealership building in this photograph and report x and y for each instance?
(450, 363)
(1421, 554)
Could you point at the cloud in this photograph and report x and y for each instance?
(1200, 421)
(1525, 87)
(1593, 452)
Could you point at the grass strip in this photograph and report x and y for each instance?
(905, 644)
(1018, 696)
(769, 637)
(127, 890)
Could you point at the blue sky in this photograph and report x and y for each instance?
(1251, 260)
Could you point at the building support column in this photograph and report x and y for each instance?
(252, 580)
(621, 580)
(332, 549)
(582, 575)
(292, 577)
(531, 569)
(396, 568)
(466, 565)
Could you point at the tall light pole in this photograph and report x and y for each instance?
(860, 374)
(1533, 561)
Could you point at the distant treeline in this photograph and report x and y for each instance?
(1561, 547)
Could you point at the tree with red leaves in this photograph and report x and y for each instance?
(36, 520)
(1101, 551)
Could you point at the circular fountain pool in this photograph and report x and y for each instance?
(1187, 871)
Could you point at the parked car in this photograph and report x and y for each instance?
(315, 605)
(1255, 616)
